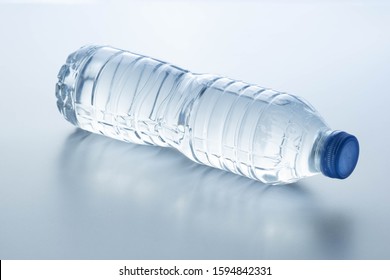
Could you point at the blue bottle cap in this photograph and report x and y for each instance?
(339, 155)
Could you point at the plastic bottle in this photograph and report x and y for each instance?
(259, 133)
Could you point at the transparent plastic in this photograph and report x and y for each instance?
(246, 129)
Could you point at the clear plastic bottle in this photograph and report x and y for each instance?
(259, 133)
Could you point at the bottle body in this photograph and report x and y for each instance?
(259, 133)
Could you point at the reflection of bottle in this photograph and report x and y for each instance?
(142, 189)
(260, 133)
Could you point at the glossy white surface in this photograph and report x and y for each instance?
(67, 194)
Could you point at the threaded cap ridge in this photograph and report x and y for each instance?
(339, 155)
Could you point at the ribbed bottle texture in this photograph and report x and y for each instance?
(260, 133)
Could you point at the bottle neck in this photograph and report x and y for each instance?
(318, 148)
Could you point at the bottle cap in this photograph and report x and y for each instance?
(339, 155)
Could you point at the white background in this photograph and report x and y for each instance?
(65, 194)
(280, 270)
